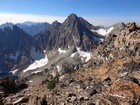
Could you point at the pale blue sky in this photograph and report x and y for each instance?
(104, 12)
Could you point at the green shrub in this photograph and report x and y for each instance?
(51, 84)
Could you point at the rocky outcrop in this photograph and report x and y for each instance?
(8, 87)
(124, 44)
(117, 27)
(113, 80)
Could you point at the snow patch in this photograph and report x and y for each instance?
(38, 71)
(103, 32)
(40, 59)
(58, 68)
(61, 51)
(84, 54)
(12, 56)
(110, 29)
(14, 71)
(37, 63)
(73, 54)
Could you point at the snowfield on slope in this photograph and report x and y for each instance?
(82, 54)
(14, 71)
(103, 32)
(40, 59)
(85, 56)
(37, 63)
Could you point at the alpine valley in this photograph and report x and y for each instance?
(69, 63)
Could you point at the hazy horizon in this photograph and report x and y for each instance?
(97, 12)
(102, 21)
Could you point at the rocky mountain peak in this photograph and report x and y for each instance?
(74, 20)
(55, 22)
(72, 16)
(131, 26)
(71, 21)
(54, 25)
(74, 31)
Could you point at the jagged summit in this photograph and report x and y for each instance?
(7, 24)
(73, 16)
(74, 19)
(55, 24)
(74, 31)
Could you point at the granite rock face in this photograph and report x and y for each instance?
(74, 31)
(15, 46)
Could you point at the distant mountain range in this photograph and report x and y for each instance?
(32, 28)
